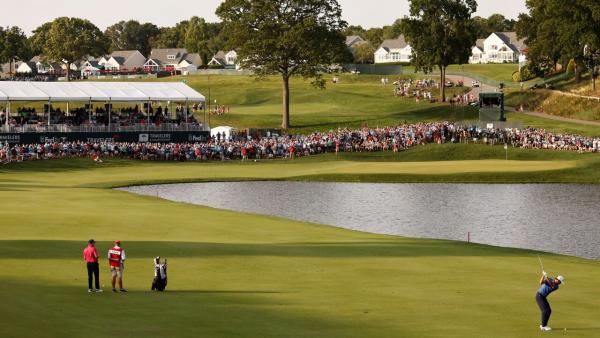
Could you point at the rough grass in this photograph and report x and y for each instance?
(554, 103)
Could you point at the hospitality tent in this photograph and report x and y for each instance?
(107, 92)
(98, 91)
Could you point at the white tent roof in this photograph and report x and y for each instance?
(98, 91)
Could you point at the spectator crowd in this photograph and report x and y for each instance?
(343, 140)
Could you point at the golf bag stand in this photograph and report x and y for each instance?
(159, 283)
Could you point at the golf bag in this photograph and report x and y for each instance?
(160, 275)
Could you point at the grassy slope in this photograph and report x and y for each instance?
(241, 275)
(358, 100)
(554, 103)
(354, 101)
(488, 73)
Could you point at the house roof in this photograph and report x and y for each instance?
(36, 59)
(219, 58)
(156, 61)
(193, 58)
(479, 43)
(398, 43)
(512, 40)
(125, 54)
(120, 60)
(162, 53)
(353, 39)
(40, 59)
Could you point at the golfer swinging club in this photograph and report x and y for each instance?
(548, 285)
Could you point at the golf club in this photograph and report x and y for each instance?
(541, 265)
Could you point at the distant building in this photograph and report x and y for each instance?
(37, 65)
(394, 50)
(353, 41)
(499, 47)
(172, 60)
(6, 70)
(225, 59)
(123, 60)
(91, 68)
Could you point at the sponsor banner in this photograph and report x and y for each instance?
(152, 137)
(10, 138)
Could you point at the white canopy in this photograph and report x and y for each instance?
(225, 131)
(98, 91)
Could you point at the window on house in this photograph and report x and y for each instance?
(170, 57)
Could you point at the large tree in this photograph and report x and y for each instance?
(171, 37)
(554, 30)
(364, 52)
(393, 31)
(13, 46)
(536, 27)
(131, 35)
(197, 38)
(39, 38)
(70, 40)
(287, 37)
(441, 33)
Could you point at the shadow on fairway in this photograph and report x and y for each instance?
(219, 313)
(23, 249)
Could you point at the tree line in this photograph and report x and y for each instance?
(196, 35)
(68, 40)
(558, 33)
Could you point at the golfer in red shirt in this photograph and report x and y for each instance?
(90, 255)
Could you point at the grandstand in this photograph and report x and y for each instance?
(156, 112)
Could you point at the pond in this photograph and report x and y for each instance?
(559, 218)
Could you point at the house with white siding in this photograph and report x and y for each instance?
(499, 47)
(173, 60)
(225, 59)
(394, 51)
(123, 60)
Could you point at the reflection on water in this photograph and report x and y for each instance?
(554, 218)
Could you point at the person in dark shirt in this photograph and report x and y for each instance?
(548, 285)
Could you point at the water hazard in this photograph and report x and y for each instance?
(555, 218)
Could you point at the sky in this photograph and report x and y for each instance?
(376, 14)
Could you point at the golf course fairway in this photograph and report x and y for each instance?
(241, 275)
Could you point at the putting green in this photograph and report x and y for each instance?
(453, 167)
(240, 275)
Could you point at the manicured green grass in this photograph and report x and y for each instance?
(492, 74)
(241, 275)
(356, 100)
